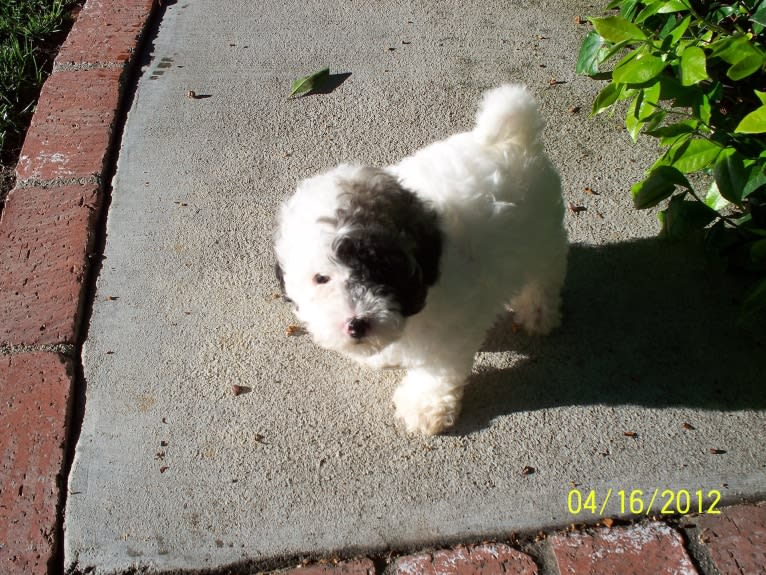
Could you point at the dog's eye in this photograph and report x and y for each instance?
(321, 279)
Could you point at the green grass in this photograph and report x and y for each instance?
(28, 28)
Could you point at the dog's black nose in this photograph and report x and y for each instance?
(357, 327)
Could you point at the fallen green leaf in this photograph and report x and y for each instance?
(310, 83)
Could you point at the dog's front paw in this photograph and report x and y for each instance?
(426, 405)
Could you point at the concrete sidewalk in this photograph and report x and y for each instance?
(646, 386)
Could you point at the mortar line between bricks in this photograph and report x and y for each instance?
(66, 349)
(93, 180)
(85, 66)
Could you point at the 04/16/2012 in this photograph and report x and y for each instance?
(639, 502)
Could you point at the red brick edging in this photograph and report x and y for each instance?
(47, 232)
(732, 543)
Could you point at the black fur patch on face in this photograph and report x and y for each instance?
(389, 238)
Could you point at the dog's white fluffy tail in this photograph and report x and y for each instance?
(508, 115)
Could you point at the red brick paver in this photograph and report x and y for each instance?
(72, 127)
(359, 567)
(487, 559)
(651, 549)
(106, 34)
(45, 238)
(736, 539)
(35, 393)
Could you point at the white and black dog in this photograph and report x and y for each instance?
(409, 266)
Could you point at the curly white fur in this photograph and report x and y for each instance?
(500, 213)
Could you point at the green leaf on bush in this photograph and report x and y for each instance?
(730, 175)
(669, 6)
(617, 29)
(606, 98)
(679, 30)
(756, 179)
(683, 217)
(739, 52)
(653, 121)
(728, 48)
(714, 200)
(590, 54)
(607, 54)
(693, 68)
(724, 12)
(632, 122)
(664, 32)
(701, 108)
(659, 185)
(641, 109)
(648, 12)
(760, 15)
(309, 83)
(629, 8)
(753, 123)
(673, 143)
(695, 155)
(746, 66)
(639, 70)
(673, 130)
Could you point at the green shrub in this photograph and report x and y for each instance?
(25, 28)
(693, 75)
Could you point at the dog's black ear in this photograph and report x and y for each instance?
(394, 240)
(281, 279)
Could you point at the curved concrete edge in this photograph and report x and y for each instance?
(48, 230)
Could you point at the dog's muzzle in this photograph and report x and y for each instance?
(357, 327)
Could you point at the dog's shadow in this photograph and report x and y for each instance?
(645, 323)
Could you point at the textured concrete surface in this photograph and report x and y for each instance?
(174, 471)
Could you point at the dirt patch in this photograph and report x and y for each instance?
(7, 180)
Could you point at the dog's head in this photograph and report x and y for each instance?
(357, 254)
